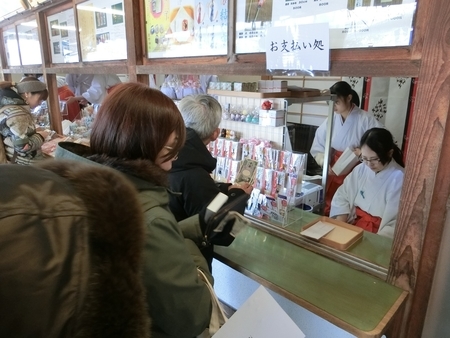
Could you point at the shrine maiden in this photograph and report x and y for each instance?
(349, 124)
(370, 195)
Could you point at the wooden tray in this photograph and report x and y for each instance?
(342, 237)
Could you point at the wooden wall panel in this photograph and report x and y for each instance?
(427, 180)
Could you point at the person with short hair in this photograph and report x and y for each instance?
(21, 143)
(370, 195)
(191, 172)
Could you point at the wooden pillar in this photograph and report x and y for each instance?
(134, 21)
(50, 79)
(427, 178)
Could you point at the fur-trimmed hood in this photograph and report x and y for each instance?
(141, 169)
(80, 234)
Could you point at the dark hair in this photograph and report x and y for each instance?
(135, 122)
(355, 98)
(43, 94)
(380, 140)
(342, 89)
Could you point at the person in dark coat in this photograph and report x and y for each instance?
(191, 172)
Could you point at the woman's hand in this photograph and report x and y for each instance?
(342, 218)
(330, 172)
(79, 99)
(244, 186)
(45, 134)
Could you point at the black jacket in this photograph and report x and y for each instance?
(191, 177)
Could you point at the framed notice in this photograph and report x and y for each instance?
(186, 28)
(352, 23)
(62, 36)
(101, 20)
(103, 30)
(117, 18)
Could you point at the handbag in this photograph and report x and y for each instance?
(218, 317)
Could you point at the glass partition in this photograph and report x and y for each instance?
(62, 37)
(353, 23)
(11, 47)
(102, 30)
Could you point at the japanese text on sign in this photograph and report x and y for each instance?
(300, 47)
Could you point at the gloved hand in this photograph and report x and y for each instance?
(222, 227)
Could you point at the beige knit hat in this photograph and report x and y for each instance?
(30, 86)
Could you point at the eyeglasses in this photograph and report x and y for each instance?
(369, 160)
(171, 148)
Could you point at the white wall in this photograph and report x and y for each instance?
(234, 288)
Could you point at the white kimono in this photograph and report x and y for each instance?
(99, 87)
(346, 133)
(377, 194)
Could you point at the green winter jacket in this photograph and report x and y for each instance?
(179, 302)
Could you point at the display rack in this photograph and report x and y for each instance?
(288, 100)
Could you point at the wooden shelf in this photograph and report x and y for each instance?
(251, 95)
(300, 96)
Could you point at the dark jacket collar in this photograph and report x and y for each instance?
(194, 154)
(142, 169)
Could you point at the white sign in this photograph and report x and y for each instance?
(299, 47)
(302, 8)
(260, 317)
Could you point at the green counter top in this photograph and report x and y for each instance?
(373, 248)
(353, 300)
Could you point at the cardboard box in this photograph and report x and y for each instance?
(280, 86)
(273, 118)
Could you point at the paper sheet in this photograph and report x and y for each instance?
(318, 230)
(260, 317)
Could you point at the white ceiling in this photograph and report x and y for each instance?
(9, 8)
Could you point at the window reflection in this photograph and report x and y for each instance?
(30, 47)
(11, 47)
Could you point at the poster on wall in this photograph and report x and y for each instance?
(186, 28)
(102, 34)
(353, 23)
(62, 35)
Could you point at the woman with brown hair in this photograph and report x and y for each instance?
(21, 143)
(139, 131)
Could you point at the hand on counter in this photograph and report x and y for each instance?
(79, 99)
(44, 133)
